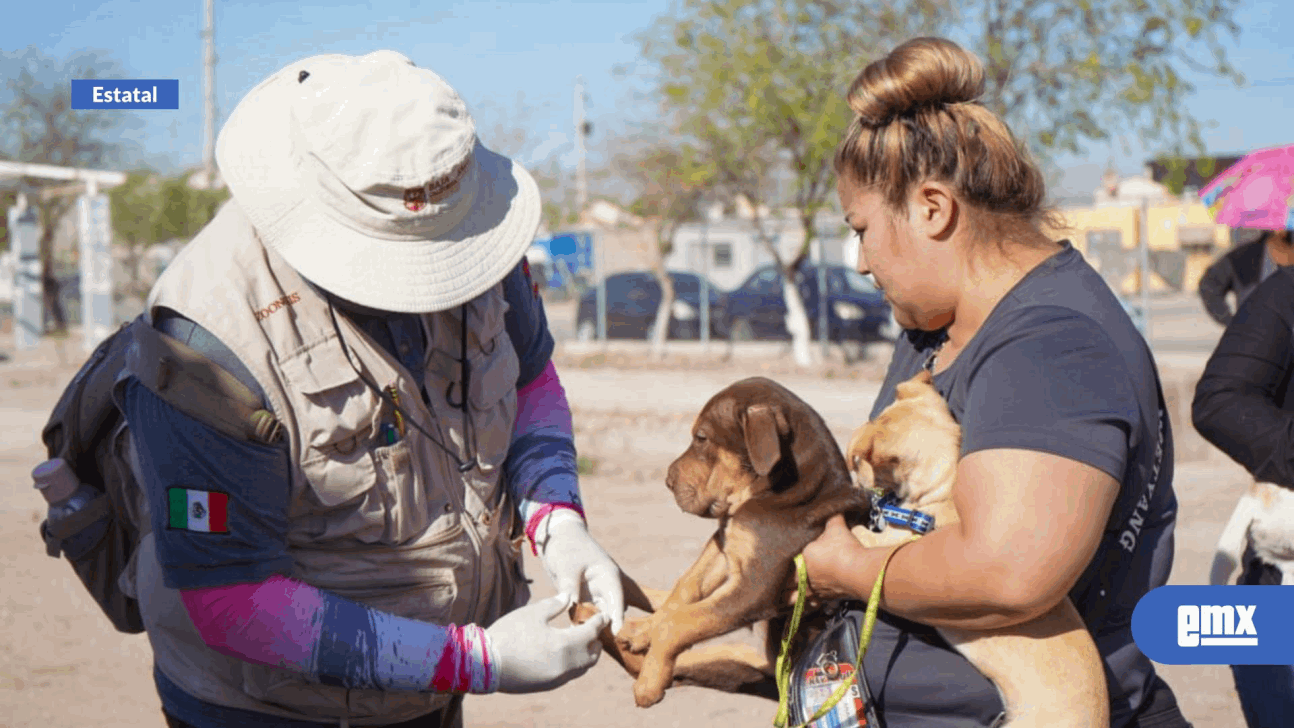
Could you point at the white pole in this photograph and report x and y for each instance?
(581, 182)
(97, 314)
(209, 115)
(823, 324)
(600, 274)
(1144, 265)
(705, 312)
(28, 301)
(49, 171)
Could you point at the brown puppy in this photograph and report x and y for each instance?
(1048, 670)
(764, 463)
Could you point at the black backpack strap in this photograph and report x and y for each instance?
(188, 332)
(198, 387)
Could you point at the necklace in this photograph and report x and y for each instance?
(929, 365)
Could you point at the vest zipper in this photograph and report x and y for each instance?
(453, 480)
(459, 504)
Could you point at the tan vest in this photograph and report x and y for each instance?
(395, 527)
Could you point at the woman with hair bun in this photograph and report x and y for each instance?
(1064, 486)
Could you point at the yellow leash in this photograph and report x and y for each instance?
(782, 669)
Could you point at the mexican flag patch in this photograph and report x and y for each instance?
(204, 511)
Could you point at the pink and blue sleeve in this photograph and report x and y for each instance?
(285, 623)
(540, 470)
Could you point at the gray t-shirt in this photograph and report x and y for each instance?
(1057, 367)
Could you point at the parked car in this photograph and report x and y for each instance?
(856, 311)
(632, 301)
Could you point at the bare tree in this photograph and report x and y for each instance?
(758, 83)
(1066, 73)
(772, 74)
(672, 181)
(510, 131)
(40, 126)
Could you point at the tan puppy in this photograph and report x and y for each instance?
(1048, 670)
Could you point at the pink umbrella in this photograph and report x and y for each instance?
(1256, 192)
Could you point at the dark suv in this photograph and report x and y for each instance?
(856, 311)
(632, 300)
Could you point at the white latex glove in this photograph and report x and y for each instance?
(571, 557)
(529, 655)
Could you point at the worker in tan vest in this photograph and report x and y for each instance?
(367, 282)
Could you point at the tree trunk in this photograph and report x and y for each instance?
(797, 314)
(661, 331)
(797, 320)
(133, 261)
(52, 211)
(55, 317)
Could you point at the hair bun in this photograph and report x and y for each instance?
(921, 73)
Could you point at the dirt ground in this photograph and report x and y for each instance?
(62, 666)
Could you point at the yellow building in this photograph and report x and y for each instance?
(1183, 241)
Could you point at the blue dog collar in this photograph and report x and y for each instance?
(920, 523)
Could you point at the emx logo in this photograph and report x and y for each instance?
(1216, 625)
(1225, 626)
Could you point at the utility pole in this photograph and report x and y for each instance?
(209, 121)
(581, 128)
(1143, 266)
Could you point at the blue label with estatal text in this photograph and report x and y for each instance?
(1216, 625)
(102, 93)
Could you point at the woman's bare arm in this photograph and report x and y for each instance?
(1030, 524)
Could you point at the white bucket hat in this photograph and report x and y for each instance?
(365, 174)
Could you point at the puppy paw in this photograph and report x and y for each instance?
(640, 642)
(655, 676)
(582, 612)
(635, 636)
(645, 694)
(636, 646)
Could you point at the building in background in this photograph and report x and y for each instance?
(1182, 237)
(621, 240)
(726, 248)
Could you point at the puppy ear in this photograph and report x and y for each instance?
(763, 430)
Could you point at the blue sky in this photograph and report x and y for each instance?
(519, 60)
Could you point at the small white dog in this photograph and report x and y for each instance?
(1264, 518)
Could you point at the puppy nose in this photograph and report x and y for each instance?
(858, 460)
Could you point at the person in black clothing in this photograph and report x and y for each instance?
(1241, 270)
(1244, 405)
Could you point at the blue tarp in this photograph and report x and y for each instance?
(570, 256)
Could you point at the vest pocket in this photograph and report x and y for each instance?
(410, 507)
(361, 489)
(493, 399)
(287, 690)
(371, 494)
(342, 478)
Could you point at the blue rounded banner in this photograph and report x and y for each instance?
(1216, 625)
(107, 93)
